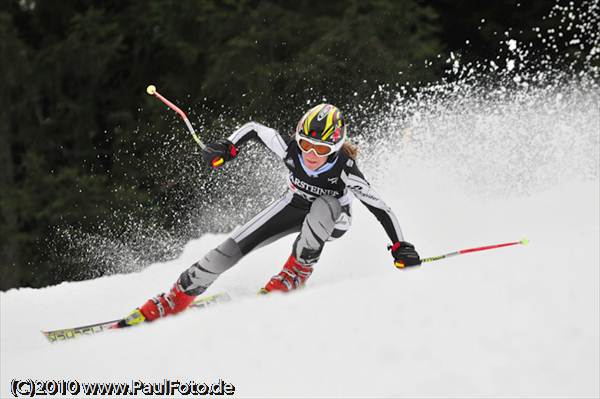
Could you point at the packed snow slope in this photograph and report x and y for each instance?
(462, 164)
(519, 321)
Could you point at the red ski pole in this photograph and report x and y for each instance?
(469, 250)
(152, 91)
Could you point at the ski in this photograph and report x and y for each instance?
(92, 329)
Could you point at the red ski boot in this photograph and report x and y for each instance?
(293, 275)
(165, 304)
(160, 306)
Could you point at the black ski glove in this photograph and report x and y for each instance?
(219, 152)
(404, 254)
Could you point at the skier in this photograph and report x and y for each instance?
(323, 180)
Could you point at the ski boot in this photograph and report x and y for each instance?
(293, 276)
(160, 306)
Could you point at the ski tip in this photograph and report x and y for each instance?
(151, 89)
(525, 241)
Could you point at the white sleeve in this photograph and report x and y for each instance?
(270, 137)
(373, 201)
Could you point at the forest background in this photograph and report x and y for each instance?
(83, 149)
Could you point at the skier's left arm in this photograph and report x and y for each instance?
(403, 252)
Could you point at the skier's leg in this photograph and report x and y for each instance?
(342, 224)
(278, 219)
(317, 228)
(326, 220)
(193, 281)
(196, 279)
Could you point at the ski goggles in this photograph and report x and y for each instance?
(321, 149)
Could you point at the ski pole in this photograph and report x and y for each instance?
(151, 89)
(469, 250)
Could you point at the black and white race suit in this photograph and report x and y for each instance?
(317, 205)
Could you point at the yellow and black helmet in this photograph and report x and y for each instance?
(323, 124)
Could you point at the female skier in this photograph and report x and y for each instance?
(323, 180)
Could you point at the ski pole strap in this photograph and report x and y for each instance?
(477, 249)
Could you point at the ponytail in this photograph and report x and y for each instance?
(351, 150)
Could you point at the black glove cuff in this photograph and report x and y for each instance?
(218, 152)
(405, 254)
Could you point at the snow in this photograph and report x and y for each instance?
(518, 321)
(510, 64)
(462, 166)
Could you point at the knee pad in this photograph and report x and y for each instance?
(322, 217)
(222, 257)
(317, 227)
(326, 207)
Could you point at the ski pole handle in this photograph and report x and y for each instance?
(151, 90)
(477, 249)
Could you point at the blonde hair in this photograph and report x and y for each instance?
(350, 149)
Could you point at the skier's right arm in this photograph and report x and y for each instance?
(269, 137)
(227, 149)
